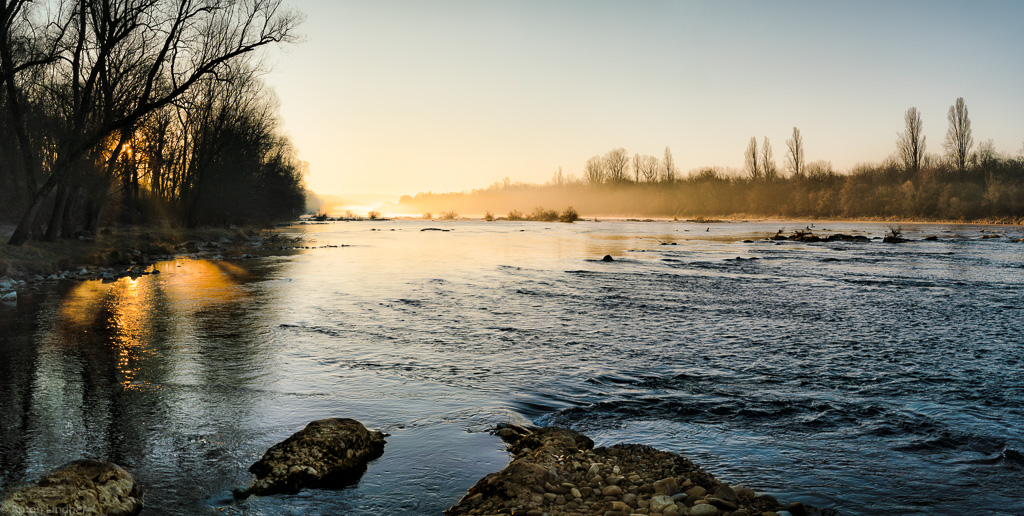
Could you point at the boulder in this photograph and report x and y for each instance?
(85, 486)
(329, 454)
(607, 258)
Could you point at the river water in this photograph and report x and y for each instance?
(867, 377)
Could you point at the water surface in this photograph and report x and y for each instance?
(860, 376)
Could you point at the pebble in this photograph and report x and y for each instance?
(666, 486)
(612, 491)
(696, 491)
(704, 509)
(660, 502)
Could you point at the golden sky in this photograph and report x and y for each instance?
(398, 97)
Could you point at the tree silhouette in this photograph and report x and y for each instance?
(750, 159)
(958, 137)
(795, 155)
(911, 142)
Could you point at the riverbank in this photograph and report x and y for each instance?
(556, 471)
(126, 251)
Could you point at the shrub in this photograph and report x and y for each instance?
(428, 216)
(448, 215)
(569, 215)
(541, 215)
(488, 216)
(373, 215)
(515, 215)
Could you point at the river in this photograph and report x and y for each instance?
(863, 376)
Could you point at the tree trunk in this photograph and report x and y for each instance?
(53, 229)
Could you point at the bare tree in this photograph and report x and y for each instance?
(593, 171)
(649, 167)
(668, 166)
(122, 60)
(616, 163)
(558, 178)
(958, 137)
(750, 160)
(795, 153)
(768, 167)
(636, 167)
(911, 142)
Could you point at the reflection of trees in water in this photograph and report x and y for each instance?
(122, 370)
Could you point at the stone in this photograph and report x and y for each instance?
(797, 509)
(621, 507)
(666, 486)
(629, 498)
(704, 509)
(329, 453)
(9, 297)
(659, 502)
(607, 258)
(726, 493)
(612, 491)
(696, 491)
(745, 493)
(85, 486)
(725, 505)
(613, 480)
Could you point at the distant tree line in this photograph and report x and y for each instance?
(965, 183)
(135, 110)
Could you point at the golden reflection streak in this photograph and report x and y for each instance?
(131, 308)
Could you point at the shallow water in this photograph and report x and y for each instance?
(861, 376)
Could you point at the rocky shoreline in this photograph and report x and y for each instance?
(134, 252)
(558, 472)
(553, 472)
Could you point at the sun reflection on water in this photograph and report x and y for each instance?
(125, 313)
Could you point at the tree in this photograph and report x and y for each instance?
(911, 142)
(958, 137)
(668, 166)
(117, 62)
(616, 163)
(593, 171)
(636, 167)
(795, 153)
(768, 162)
(750, 160)
(647, 167)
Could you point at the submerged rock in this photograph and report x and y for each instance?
(85, 486)
(607, 258)
(329, 453)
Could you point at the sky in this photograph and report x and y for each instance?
(399, 97)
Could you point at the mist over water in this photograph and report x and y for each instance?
(862, 376)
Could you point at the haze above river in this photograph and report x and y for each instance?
(863, 376)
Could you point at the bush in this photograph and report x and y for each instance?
(373, 215)
(488, 216)
(515, 215)
(428, 216)
(541, 215)
(569, 215)
(448, 215)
